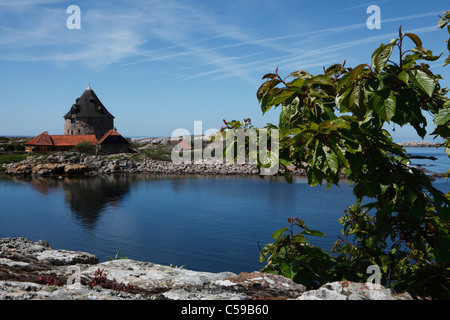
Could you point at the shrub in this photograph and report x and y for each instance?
(85, 147)
(12, 158)
(14, 147)
(161, 153)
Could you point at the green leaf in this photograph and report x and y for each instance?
(342, 100)
(384, 104)
(442, 117)
(322, 79)
(282, 97)
(381, 55)
(423, 81)
(315, 233)
(340, 155)
(403, 76)
(443, 245)
(299, 238)
(356, 103)
(340, 123)
(286, 161)
(314, 177)
(265, 103)
(266, 87)
(409, 60)
(425, 54)
(445, 19)
(351, 76)
(279, 233)
(332, 159)
(289, 112)
(302, 74)
(333, 69)
(297, 83)
(447, 61)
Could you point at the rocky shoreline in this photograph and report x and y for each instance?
(74, 163)
(421, 144)
(70, 163)
(35, 271)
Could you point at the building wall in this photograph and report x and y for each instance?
(114, 148)
(83, 126)
(47, 149)
(114, 144)
(39, 149)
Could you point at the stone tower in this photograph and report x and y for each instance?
(88, 116)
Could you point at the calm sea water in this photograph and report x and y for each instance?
(204, 223)
(441, 165)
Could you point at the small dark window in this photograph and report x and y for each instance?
(75, 109)
(72, 120)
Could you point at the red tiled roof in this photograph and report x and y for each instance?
(63, 141)
(41, 140)
(44, 139)
(111, 132)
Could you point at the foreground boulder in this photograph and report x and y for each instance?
(33, 270)
(346, 290)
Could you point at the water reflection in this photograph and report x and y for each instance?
(88, 197)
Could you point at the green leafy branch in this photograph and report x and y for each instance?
(333, 123)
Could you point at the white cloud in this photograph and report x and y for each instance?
(27, 3)
(190, 41)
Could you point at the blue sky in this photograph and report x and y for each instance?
(161, 65)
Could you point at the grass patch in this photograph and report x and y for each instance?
(162, 153)
(12, 158)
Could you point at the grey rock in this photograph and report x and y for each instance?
(346, 290)
(95, 164)
(65, 257)
(75, 169)
(33, 270)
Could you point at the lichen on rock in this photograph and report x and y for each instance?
(34, 271)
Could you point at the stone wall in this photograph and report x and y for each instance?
(84, 126)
